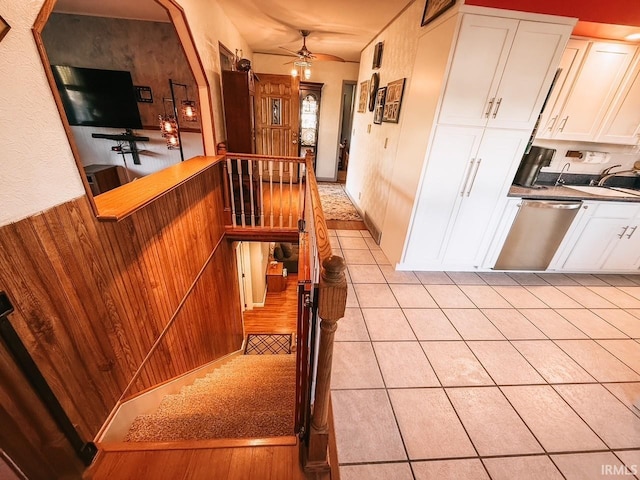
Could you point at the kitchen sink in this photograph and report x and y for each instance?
(606, 191)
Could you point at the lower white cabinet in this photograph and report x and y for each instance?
(607, 240)
(469, 171)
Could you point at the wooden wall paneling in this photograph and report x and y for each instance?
(143, 310)
(42, 309)
(210, 317)
(92, 299)
(69, 242)
(39, 448)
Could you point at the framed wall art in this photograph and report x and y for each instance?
(362, 99)
(377, 55)
(434, 8)
(4, 28)
(393, 101)
(379, 108)
(373, 89)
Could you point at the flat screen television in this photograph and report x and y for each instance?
(97, 98)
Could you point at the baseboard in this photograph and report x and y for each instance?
(123, 415)
(375, 232)
(196, 444)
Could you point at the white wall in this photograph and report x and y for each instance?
(38, 169)
(209, 25)
(259, 260)
(331, 74)
(154, 154)
(371, 163)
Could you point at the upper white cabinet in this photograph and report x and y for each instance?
(567, 72)
(501, 72)
(622, 122)
(584, 97)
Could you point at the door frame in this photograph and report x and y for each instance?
(353, 96)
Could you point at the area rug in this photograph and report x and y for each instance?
(336, 203)
(268, 344)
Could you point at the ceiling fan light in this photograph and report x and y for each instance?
(307, 73)
(294, 72)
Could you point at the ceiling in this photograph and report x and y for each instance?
(344, 27)
(338, 27)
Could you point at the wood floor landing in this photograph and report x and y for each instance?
(279, 314)
(263, 462)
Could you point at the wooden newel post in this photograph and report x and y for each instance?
(332, 300)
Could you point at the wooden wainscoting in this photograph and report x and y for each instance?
(92, 298)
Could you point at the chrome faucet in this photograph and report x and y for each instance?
(560, 180)
(606, 174)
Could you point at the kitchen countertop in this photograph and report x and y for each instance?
(563, 193)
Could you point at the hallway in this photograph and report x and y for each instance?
(484, 376)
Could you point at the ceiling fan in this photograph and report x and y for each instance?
(304, 55)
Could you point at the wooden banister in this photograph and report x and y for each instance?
(332, 300)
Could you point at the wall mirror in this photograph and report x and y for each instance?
(116, 70)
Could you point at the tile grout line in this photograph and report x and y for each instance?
(547, 454)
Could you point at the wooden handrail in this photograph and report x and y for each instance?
(332, 300)
(254, 156)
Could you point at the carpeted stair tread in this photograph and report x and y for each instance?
(249, 396)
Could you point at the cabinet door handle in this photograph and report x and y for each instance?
(564, 123)
(624, 230)
(489, 108)
(466, 178)
(473, 179)
(552, 123)
(633, 230)
(497, 107)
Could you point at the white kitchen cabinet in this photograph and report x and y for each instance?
(469, 172)
(501, 72)
(622, 122)
(607, 240)
(586, 101)
(569, 68)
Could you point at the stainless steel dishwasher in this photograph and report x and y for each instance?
(536, 233)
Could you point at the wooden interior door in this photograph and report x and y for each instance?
(278, 110)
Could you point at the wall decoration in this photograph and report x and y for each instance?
(393, 101)
(378, 110)
(143, 94)
(373, 89)
(377, 55)
(434, 8)
(362, 101)
(4, 28)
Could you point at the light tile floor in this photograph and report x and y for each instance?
(462, 375)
